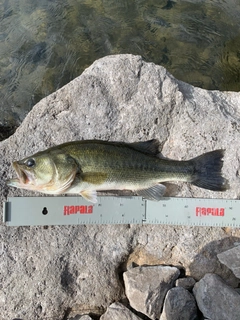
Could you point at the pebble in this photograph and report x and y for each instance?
(186, 283)
(79, 317)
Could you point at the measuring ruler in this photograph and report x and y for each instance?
(30, 211)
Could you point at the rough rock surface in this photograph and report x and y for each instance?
(146, 288)
(215, 299)
(45, 272)
(78, 317)
(179, 304)
(186, 283)
(118, 311)
(231, 258)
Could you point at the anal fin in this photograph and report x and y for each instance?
(153, 193)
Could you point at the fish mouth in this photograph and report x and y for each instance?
(22, 177)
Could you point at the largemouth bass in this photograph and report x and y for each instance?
(85, 167)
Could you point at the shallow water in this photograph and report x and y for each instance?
(45, 44)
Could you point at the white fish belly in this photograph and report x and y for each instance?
(78, 188)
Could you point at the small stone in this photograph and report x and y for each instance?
(216, 299)
(80, 317)
(146, 288)
(118, 311)
(186, 283)
(231, 259)
(179, 304)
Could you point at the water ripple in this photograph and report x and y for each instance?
(45, 44)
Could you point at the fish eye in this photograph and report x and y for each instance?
(30, 163)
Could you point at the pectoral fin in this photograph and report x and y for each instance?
(153, 193)
(89, 195)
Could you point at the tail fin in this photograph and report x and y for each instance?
(207, 171)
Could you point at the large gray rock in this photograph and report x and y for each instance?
(179, 304)
(45, 272)
(118, 311)
(146, 288)
(215, 299)
(231, 258)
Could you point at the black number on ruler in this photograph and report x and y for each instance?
(164, 205)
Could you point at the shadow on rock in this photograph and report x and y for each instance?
(206, 261)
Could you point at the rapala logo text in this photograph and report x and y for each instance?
(67, 210)
(202, 211)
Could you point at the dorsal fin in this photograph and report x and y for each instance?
(150, 146)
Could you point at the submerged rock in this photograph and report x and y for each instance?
(6, 131)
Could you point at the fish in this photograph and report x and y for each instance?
(88, 166)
